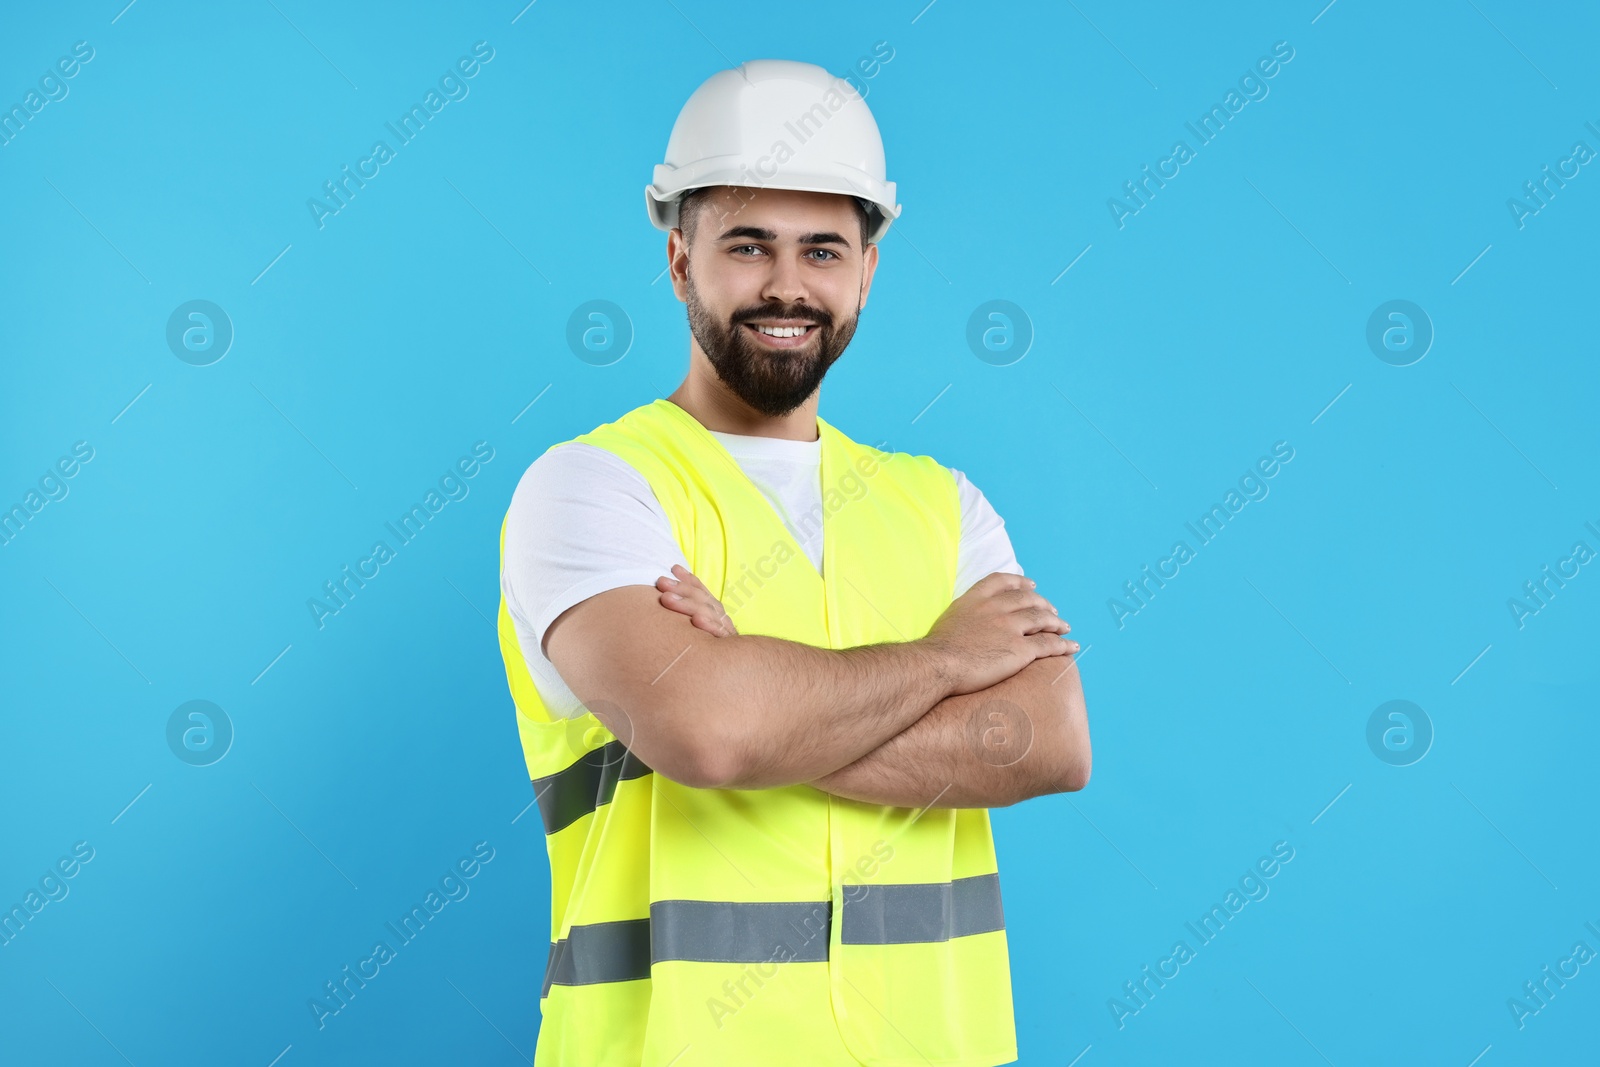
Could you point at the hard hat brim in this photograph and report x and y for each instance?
(663, 195)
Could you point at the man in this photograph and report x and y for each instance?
(769, 680)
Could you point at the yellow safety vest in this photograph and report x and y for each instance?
(768, 926)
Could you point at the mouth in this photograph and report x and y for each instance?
(789, 334)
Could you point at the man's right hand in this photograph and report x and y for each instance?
(994, 629)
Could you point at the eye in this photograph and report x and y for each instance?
(740, 249)
(826, 252)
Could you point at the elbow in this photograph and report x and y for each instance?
(1079, 768)
(717, 765)
(1079, 760)
(671, 737)
(699, 746)
(1077, 776)
(1076, 772)
(697, 775)
(694, 754)
(705, 768)
(1064, 776)
(690, 766)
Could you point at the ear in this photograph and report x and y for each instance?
(678, 263)
(869, 266)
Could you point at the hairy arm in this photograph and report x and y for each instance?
(1024, 737)
(755, 712)
(741, 712)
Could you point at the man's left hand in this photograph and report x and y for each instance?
(688, 595)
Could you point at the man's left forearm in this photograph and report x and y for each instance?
(1024, 737)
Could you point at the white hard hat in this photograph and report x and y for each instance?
(775, 124)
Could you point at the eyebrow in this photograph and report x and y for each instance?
(758, 234)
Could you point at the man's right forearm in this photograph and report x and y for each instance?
(779, 712)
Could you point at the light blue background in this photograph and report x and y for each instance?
(1228, 314)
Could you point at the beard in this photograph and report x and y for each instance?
(773, 382)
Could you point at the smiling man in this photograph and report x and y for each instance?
(768, 679)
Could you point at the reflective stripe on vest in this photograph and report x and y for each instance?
(590, 781)
(731, 923)
(719, 931)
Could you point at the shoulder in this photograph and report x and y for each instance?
(985, 545)
(568, 461)
(977, 513)
(972, 497)
(574, 476)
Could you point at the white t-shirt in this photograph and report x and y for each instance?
(583, 520)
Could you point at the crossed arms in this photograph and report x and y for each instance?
(985, 711)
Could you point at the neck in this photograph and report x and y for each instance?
(713, 405)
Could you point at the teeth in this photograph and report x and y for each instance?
(783, 331)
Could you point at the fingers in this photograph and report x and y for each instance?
(688, 595)
(1029, 606)
(708, 617)
(1045, 613)
(678, 601)
(714, 622)
(1045, 618)
(1052, 645)
(684, 585)
(1012, 596)
(1043, 622)
(999, 582)
(688, 578)
(671, 598)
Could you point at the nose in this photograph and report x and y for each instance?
(785, 283)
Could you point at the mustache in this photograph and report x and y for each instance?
(804, 312)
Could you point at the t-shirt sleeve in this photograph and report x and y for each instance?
(581, 521)
(985, 546)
